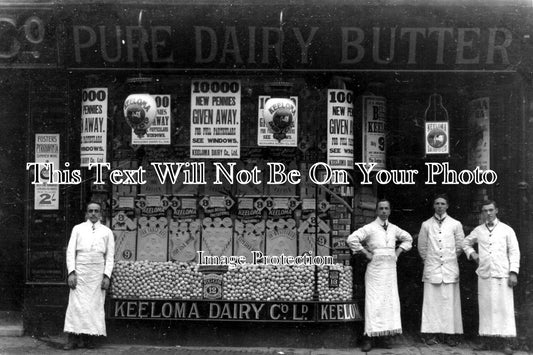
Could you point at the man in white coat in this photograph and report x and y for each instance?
(440, 242)
(377, 241)
(498, 259)
(90, 257)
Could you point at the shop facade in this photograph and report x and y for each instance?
(265, 119)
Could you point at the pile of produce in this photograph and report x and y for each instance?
(248, 282)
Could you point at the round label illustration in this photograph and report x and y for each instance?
(437, 138)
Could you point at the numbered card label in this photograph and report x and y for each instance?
(47, 154)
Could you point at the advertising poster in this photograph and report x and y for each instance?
(280, 227)
(437, 138)
(217, 225)
(215, 119)
(124, 226)
(340, 129)
(93, 147)
(265, 135)
(249, 233)
(374, 116)
(159, 132)
(46, 151)
(479, 129)
(311, 239)
(46, 265)
(152, 229)
(184, 230)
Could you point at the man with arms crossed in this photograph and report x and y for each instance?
(498, 264)
(382, 303)
(90, 256)
(440, 242)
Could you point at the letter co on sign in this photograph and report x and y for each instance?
(235, 311)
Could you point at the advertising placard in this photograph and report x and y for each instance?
(159, 132)
(374, 115)
(215, 119)
(46, 151)
(479, 130)
(340, 129)
(265, 135)
(437, 137)
(93, 126)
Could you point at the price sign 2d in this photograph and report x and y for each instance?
(46, 151)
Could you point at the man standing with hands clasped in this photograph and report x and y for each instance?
(498, 264)
(90, 257)
(382, 303)
(440, 242)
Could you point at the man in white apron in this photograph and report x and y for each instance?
(90, 256)
(440, 242)
(498, 259)
(377, 241)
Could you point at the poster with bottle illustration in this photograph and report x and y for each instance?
(374, 118)
(152, 226)
(217, 226)
(265, 130)
(184, 229)
(124, 227)
(479, 131)
(281, 232)
(249, 231)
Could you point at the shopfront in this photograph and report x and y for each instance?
(275, 130)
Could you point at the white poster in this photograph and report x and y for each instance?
(215, 119)
(340, 129)
(159, 132)
(46, 151)
(93, 126)
(479, 131)
(374, 116)
(265, 136)
(437, 137)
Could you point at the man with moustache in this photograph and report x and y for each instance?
(440, 243)
(90, 257)
(377, 241)
(498, 262)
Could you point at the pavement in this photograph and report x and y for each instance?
(54, 345)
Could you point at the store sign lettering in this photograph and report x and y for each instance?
(19, 31)
(262, 45)
(467, 44)
(27, 38)
(235, 311)
(135, 38)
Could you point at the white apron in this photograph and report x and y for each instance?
(496, 308)
(441, 310)
(382, 303)
(85, 311)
